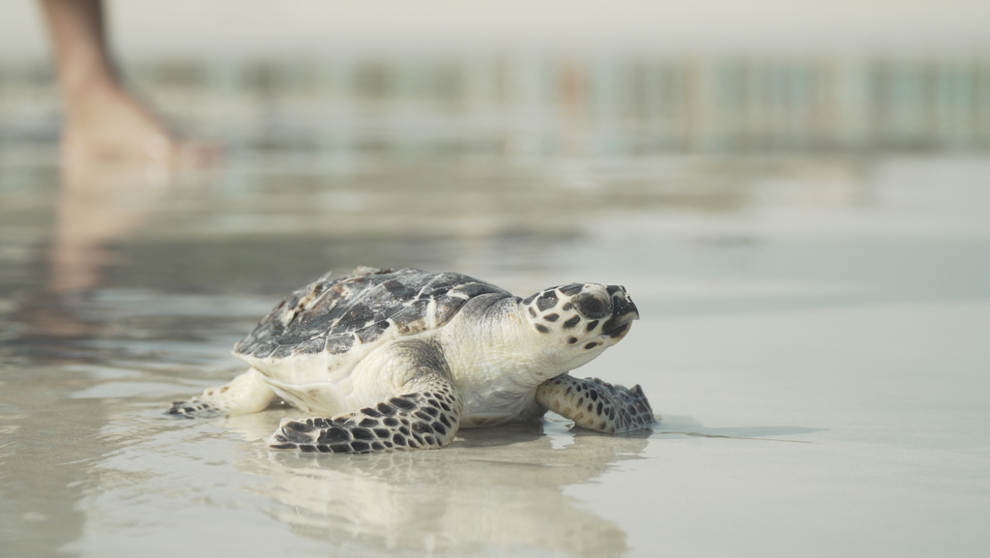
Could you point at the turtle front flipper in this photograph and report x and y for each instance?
(592, 403)
(425, 420)
(247, 393)
(425, 416)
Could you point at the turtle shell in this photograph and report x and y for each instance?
(333, 315)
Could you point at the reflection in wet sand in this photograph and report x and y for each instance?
(688, 426)
(496, 489)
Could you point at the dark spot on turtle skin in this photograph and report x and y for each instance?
(547, 301)
(399, 439)
(599, 408)
(307, 448)
(572, 289)
(422, 428)
(617, 332)
(389, 421)
(404, 430)
(591, 325)
(429, 440)
(530, 298)
(224, 389)
(360, 447)
(567, 306)
(541, 328)
(340, 448)
(368, 423)
(362, 434)
(381, 432)
(590, 406)
(299, 426)
(551, 317)
(375, 446)
(591, 345)
(421, 415)
(432, 411)
(432, 402)
(593, 394)
(571, 322)
(333, 434)
(385, 409)
(283, 446)
(445, 406)
(370, 412)
(414, 444)
(571, 340)
(443, 419)
(438, 428)
(323, 448)
(532, 312)
(402, 403)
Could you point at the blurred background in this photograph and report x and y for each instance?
(626, 78)
(796, 194)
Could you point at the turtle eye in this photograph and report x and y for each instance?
(591, 306)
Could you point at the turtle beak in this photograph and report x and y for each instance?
(623, 313)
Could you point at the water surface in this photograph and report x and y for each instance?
(813, 323)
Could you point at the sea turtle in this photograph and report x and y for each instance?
(395, 360)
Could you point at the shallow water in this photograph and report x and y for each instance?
(813, 334)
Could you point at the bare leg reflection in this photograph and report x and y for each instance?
(95, 208)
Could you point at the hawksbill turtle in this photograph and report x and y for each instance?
(396, 360)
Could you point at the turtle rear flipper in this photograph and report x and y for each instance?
(247, 393)
(592, 403)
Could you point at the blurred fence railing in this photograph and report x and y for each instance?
(615, 107)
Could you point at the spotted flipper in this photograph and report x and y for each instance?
(425, 420)
(247, 393)
(592, 403)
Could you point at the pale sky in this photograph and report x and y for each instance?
(145, 30)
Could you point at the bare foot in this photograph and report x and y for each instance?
(108, 124)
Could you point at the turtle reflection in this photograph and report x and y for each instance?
(499, 488)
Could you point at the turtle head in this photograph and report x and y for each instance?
(576, 322)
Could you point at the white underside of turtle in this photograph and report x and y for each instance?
(397, 360)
